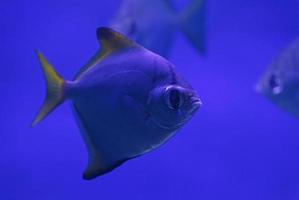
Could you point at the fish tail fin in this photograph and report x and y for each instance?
(55, 90)
(192, 23)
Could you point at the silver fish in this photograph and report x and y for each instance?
(153, 23)
(280, 83)
(127, 101)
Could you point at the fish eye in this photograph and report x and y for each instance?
(174, 97)
(275, 84)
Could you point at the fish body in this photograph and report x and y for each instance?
(280, 83)
(153, 23)
(126, 99)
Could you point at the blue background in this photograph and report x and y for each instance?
(238, 146)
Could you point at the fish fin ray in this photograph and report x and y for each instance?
(55, 89)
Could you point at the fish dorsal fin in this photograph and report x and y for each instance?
(110, 41)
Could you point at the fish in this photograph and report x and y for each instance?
(127, 101)
(154, 23)
(280, 83)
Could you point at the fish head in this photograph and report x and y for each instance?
(280, 83)
(172, 105)
(282, 88)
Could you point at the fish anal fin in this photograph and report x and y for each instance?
(96, 167)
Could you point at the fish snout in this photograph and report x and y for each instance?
(258, 88)
(195, 101)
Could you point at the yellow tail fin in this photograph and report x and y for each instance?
(55, 90)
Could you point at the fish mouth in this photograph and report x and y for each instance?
(196, 103)
(260, 89)
(266, 90)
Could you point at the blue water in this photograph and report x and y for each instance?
(237, 147)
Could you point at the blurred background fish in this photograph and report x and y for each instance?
(128, 101)
(153, 23)
(280, 83)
